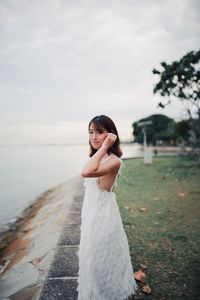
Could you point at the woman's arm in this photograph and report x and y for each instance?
(93, 167)
(110, 166)
(93, 163)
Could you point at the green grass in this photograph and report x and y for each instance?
(166, 237)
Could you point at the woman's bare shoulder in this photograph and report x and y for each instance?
(116, 159)
(113, 156)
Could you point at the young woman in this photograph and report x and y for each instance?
(105, 269)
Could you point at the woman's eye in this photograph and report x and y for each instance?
(91, 132)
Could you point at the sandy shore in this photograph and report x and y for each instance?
(27, 248)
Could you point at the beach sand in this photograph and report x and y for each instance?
(27, 248)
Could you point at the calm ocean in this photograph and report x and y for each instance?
(28, 171)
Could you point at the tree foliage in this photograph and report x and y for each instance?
(182, 129)
(180, 79)
(162, 128)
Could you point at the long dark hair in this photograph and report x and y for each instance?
(104, 122)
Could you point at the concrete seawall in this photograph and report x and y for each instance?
(61, 281)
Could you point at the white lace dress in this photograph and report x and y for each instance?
(105, 269)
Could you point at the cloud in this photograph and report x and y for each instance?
(67, 60)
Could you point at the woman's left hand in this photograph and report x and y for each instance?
(109, 140)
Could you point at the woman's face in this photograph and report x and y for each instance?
(96, 137)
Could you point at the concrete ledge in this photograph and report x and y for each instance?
(61, 282)
(70, 236)
(76, 208)
(61, 289)
(65, 262)
(72, 219)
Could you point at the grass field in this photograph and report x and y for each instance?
(160, 210)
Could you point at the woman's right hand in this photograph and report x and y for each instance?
(109, 140)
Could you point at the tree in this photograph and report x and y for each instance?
(162, 128)
(182, 129)
(181, 80)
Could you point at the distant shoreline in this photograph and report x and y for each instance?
(57, 144)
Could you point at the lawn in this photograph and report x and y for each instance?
(160, 210)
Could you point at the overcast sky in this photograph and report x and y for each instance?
(64, 62)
